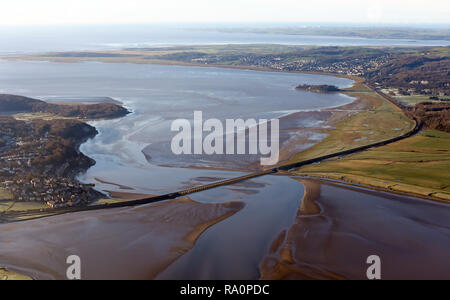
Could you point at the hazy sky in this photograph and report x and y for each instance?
(30, 12)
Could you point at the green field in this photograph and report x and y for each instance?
(39, 116)
(107, 201)
(11, 206)
(418, 164)
(413, 100)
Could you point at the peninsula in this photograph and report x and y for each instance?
(40, 157)
(324, 88)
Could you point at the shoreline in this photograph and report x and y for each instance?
(306, 208)
(177, 63)
(250, 167)
(346, 91)
(328, 177)
(263, 69)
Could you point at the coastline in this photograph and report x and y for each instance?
(308, 207)
(51, 148)
(286, 154)
(176, 63)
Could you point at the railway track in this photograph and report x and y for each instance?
(13, 216)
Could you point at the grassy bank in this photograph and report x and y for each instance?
(369, 120)
(417, 165)
(9, 275)
(5, 195)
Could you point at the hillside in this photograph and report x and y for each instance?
(433, 115)
(424, 75)
(15, 104)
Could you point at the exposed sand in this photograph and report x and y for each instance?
(298, 132)
(122, 187)
(338, 228)
(295, 139)
(128, 196)
(129, 243)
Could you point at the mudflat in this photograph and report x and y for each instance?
(131, 243)
(337, 228)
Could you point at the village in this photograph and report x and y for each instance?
(31, 171)
(356, 67)
(55, 192)
(351, 67)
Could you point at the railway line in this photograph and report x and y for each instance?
(13, 216)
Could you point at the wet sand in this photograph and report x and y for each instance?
(122, 187)
(337, 228)
(128, 196)
(234, 248)
(298, 132)
(131, 243)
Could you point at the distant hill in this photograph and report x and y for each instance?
(14, 104)
(422, 74)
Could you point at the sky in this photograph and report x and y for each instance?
(45, 12)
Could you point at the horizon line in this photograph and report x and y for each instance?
(248, 23)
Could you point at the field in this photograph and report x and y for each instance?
(5, 195)
(374, 120)
(39, 116)
(107, 201)
(11, 206)
(415, 99)
(417, 165)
